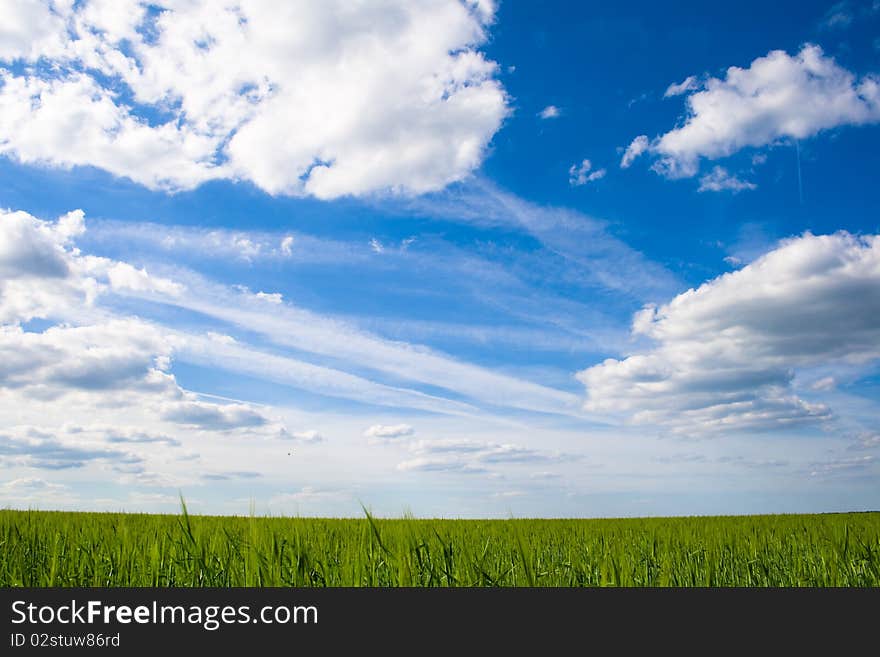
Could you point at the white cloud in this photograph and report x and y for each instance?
(581, 174)
(379, 433)
(123, 276)
(638, 146)
(838, 16)
(325, 99)
(36, 277)
(28, 30)
(544, 475)
(726, 353)
(118, 362)
(484, 452)
(507, 494)
(231, 475)
(550, 112)
(32, 248)
(234, 357)
(721, 180)
(310, 436)
(778, 96)
(31, 484)
(309, 495)
(42, 275)
(134, 436)
(291, 326)
(107, 356)
(34, 448)
(426, 464)
(91, 363)
(70, 297)
(688, 84)
(96, 365)
(472, 456)
(842, 467)
(230, 246)
(35, 492)
(73, 121)
(275, 298)
(589, 252)
(866, 440)
(217, 417)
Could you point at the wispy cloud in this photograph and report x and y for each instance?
(472, 456)
(585, 244)
(842, 467)
(294, 327)
(838, 17)
(199, 244)
(688, 84)
(583, 173)
(721, 180)
(380, 433)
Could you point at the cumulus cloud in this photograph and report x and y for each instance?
(43, 275)
(110, 356)
(779, 96)
(35, 448)
(137, 436)
(90, 359)
(29, 30)
(35, 267)
(119, 362)
(215, 417)
(29, 247)
(74, 121)
(87, 291)
(325, 99)
(721, 180)
(725, 354)
(550, 112)
(583, 173)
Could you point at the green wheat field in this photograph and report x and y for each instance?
(39, 549)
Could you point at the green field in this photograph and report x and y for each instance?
(103, 549)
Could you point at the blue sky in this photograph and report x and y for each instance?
(458, 259)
